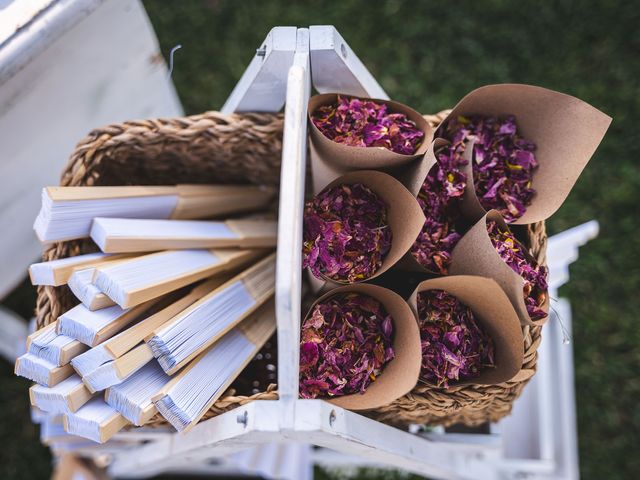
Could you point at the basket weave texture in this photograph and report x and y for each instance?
(247, 148)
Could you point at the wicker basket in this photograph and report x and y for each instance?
(216, 148)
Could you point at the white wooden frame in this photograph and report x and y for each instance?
(547, 442)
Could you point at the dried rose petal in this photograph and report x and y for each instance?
(346, 235)
(454, 346)
(504, 162)
(534, 276)
(344, 345)
(365, 123)
(439, 198)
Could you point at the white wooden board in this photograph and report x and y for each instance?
(104, 68)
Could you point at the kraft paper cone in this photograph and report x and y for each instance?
(470, 205)
(414, 174)
(413, 178)
(316, 285)
(566, 132)
(404, 216)
(330, 159)
(400, 374)
(494, 314)
(475, 255)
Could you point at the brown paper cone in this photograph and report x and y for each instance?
(322, 172)
(475, 255)
(414, 176)
(330, 159)
(404, 215)
(495, 315)
(316, 285)
(566, 132)
(470, 205)
(400, 375)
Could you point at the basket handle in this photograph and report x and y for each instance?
(289, 256)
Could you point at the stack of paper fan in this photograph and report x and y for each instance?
(170, 310)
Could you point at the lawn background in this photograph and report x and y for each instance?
(429, 54)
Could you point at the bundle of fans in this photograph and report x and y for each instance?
(170, 309)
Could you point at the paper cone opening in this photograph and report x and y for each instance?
(357, 158)
(566, 132)
(495, 315)
(475, 255)
(404, 215)
(400, 374)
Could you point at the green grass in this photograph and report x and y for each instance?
(428, 54)
(22, 457)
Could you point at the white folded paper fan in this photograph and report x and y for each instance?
(68, 219)
(118, 370)
(65, 397)
(184, 402)
(41, 371)
(52, 430)
(90, 360)
(178, 340)
(45, 273)
(104, 228)
(103, 377)
(145, 235)
(53, 347)
(67, 212)
(120, 344)
(117, 280)
(191, 331)
(95, 420)
(132, 398)
(84, 325)
(81, 285)
(38, 415)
